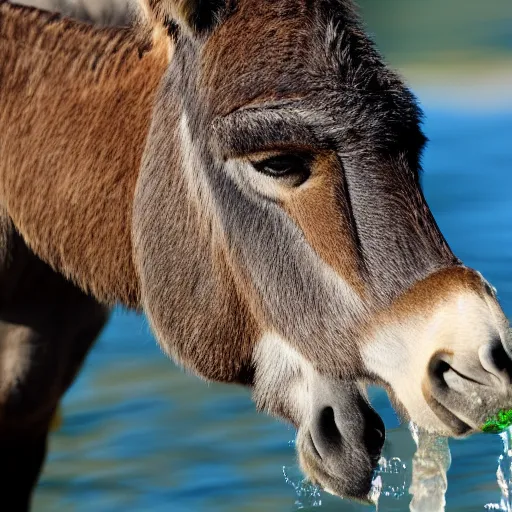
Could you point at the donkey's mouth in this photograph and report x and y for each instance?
(463, 403)
(458, 427)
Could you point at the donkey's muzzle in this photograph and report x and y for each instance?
(465, 392)
(342, 446)
(333, 434)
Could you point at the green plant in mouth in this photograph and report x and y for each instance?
(499, 422)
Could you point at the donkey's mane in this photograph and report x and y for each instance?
(72, 46)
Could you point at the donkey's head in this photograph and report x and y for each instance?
(282, 238)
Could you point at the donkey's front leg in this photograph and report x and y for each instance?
(47, 326)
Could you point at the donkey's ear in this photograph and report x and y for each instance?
(196, 16)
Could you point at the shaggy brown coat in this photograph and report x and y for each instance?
(83, 85)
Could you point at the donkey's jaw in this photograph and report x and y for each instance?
(447, 361)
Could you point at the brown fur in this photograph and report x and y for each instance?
(426, 295)
(70, 87)
(285, 26)
(313, 209)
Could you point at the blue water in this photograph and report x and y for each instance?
(138, 434)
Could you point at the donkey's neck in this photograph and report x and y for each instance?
(75, 109)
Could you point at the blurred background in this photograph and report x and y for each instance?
(138, 434)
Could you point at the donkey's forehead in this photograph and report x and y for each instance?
(257, 52)
(269, 50)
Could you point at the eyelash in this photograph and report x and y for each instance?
(295, 167)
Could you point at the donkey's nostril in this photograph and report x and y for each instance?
(327, 426)
(438, 368)
(496, 361)
(325, 436)
(501, 359)
(374, 436)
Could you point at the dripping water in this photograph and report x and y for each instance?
(504, 474)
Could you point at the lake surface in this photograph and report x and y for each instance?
(138, 434)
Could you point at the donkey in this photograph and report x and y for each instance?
(247, 173)
(60, 321)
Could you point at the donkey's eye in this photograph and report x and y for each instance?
(297, 167)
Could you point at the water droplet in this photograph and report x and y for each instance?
(504, 473)
(391, 480)
(308, 494)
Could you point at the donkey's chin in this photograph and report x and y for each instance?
(350, 476)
